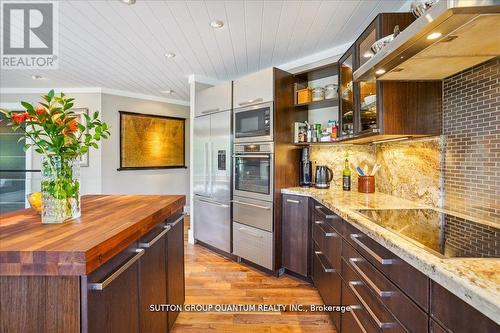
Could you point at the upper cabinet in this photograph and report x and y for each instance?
(254, 88)
(346, 93)
(214, 99)
(383, 110)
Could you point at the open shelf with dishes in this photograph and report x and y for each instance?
(316, 102)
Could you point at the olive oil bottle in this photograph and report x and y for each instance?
(346, 176)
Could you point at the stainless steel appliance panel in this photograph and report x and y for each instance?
(213, 223)
(201, 161)
(253, 244)
(255, 213)
(220, 152)
(254, 123)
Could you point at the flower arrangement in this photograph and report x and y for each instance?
(60, 136)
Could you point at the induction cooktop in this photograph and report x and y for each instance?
(443, 234)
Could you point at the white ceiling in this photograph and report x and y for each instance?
(116, 46)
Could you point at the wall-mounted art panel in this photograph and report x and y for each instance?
(151, 141)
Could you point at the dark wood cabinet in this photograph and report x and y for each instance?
(153, 279)
(175, 266)
(113, 294)
(381, 110)
(456, 315)
(296, 231)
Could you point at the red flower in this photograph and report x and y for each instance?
(72, 126)
(20, 117)
(39, 110)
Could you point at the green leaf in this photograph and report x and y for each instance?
(50, 95)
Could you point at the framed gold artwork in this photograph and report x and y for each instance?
(151, 141)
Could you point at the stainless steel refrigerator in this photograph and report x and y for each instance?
(212, 179)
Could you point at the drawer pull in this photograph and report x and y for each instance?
(293, 201)
(319, 209)
(380, 324)
(173, 224)
(381, 293)
(248, 232)
(251, 205)
(326, 269)
(210, 111)
(356, 319)
(102, 285)
(157, 238)
(355, 238)
(326, 234)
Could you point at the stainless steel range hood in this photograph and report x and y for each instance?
(468, 33)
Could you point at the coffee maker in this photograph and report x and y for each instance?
(305, 179)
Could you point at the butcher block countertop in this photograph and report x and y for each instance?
(108, 225)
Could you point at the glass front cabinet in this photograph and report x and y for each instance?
(346, 93)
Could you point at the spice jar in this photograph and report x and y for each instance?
(331, 91)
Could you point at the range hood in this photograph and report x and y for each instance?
(467, 33)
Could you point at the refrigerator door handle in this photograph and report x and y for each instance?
(214, 160)
(206, 168)
(212, 203)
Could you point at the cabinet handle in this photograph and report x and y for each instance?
(380, 324)
(213, 203)
(210, 111)
(102, 285)
(319, 209)
(356, 319)
(173, 224)
(248, 232)
(293, 201)
(251, 101)
(381, 260)
(154, 240)
(326, 234)
(326, 269)
(251, 205)
(381, 293)
(252, 156)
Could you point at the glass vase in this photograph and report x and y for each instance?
(60, 188)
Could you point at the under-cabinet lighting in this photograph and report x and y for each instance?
(380, 71)
(392, 140)
(368, 54)
(434, 35)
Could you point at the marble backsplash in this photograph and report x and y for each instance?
(409, 169)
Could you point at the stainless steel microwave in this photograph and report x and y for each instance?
(254, 123)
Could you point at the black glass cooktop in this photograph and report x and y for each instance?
(450, 236)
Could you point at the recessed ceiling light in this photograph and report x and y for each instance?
(380, 71)
(128, 2)
(368, 54)
(434, 35)
(170, 55)
(37, 77)
(216, 24)
(168, 91)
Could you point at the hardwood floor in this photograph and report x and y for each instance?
(213, 279)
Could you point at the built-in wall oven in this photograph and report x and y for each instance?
(254, 123)
(253, 175)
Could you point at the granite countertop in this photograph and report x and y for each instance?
(474, 280)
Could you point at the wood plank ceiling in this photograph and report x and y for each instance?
(117, 46)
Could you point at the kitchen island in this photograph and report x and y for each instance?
(97, 273)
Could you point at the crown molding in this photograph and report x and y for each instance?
(93, 90)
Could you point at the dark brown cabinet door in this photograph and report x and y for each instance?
(153, 279)
(113, 295)
(175, 267)
(295, 226)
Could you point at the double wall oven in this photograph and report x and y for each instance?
(253, 184)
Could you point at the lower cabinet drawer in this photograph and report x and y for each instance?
(327, 281)
(379, 315)
(357, 320)
(404, 309)
(409, 279)
(253, 244)
(328, 240)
